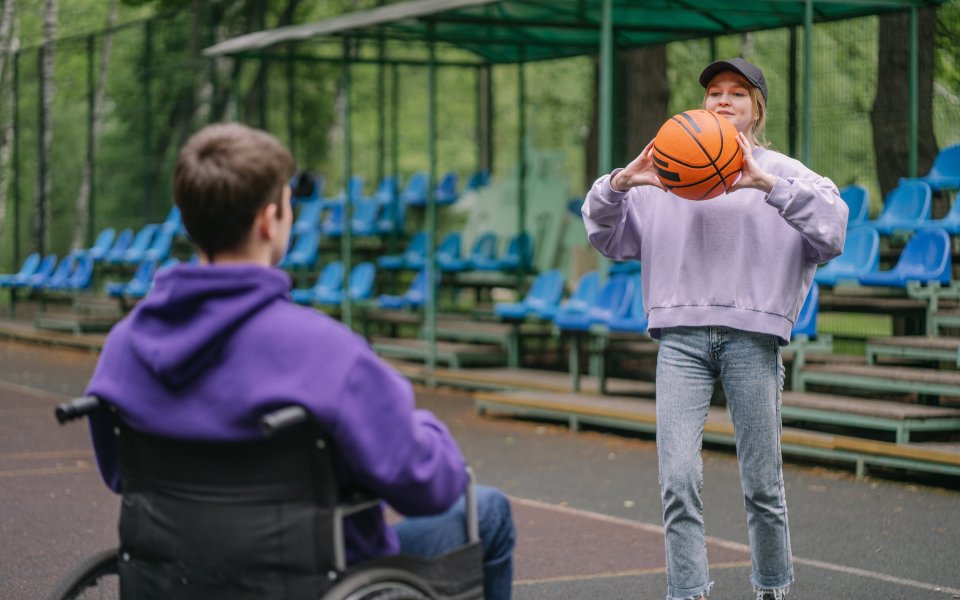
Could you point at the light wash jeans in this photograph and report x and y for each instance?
(428, 537)
(748, 364)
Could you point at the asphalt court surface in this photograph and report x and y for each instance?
(586, 505)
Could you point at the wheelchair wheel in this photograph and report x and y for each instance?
(95, 578)
(381, 584)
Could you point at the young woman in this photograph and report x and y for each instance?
(723, 282)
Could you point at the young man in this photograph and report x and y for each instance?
(216, 345)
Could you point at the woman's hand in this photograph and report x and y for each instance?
(639, 172)
(752, 174)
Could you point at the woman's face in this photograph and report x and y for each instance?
(728, 94)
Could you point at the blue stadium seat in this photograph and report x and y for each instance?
(446, 192)
(861, 255)
(483, 256)
(613, 301)
(627, 266)
(82, 276)
(138, 285)
(858, 201)
(120, 245)
(365, 213)
(945, 172)
(360, 286)
(302, 254)
(159, 250)
(806, 324)
(584, 295)
(43, 271)
(906, 208)
(355, 186)
(949, 223)
(412, 257)
(308, 218)
(386, 189)
(635, 320)
(392, 217)
(484, 252)
(478, 180)
(332, 225)
(59, 277)
(925, 259)
(414, 297)
(448, 252)
(519, 246)
(27, 269)
(100, 246)
(173, 222)
(541, 300)
(134, 254)
(329, 281)
(415, 192)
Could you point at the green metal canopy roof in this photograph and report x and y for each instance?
(505, 31)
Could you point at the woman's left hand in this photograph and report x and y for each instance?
(752, 174)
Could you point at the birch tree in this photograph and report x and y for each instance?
(44, 187)
(82, 203)
(9, 43)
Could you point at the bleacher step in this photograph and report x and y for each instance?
(920, 347)
(881, 378)
(555, 382)
(454, 354)
(640, 415)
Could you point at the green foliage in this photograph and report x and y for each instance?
(159, 90)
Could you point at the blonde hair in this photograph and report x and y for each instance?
(758, 105)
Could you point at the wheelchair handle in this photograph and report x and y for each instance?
(280, 420)
(76, 408)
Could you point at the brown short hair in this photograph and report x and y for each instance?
(226, 173)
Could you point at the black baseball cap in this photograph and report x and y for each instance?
(751, 72)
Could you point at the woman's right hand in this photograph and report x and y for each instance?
(639, 172)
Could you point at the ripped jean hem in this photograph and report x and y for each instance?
(702, 592)
(783, 582)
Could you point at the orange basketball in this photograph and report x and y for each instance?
(696, 154)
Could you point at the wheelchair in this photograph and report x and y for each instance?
(199, 487)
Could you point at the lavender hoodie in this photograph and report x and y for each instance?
(744, 260)
(212, 348)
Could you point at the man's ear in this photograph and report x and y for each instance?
(266, 220)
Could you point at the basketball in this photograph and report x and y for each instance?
(696, 154)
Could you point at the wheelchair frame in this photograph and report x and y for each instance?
(380, 581)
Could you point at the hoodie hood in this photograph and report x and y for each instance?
(183, 323)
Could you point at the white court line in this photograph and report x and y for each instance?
(648, 527)
(32, 391)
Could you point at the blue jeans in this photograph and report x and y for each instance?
(748, 364)
(428, 537)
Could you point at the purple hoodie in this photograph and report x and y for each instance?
(743, 260)
(212, 348)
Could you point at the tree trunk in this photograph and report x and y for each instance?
(82, 203)
(642, 94)
(44, 187)
(9, 43)
(889, 116)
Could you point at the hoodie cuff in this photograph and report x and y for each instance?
(779, 196)
(610, 179)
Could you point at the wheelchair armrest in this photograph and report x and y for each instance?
(471, 519)
(282, 419)
(76, 408)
